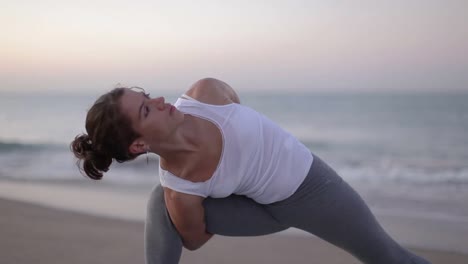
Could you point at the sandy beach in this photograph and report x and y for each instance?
(35, 233)
(38, 234)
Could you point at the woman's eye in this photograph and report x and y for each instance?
(146, 111)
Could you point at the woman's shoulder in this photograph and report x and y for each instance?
(212, 91)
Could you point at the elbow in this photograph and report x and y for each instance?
(194, 242)
(191, 246)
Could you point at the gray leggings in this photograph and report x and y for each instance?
(324, 205)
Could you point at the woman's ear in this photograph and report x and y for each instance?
(138, 146)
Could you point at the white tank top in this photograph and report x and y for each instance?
(259, 159)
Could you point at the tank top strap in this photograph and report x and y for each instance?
(188, 97)
(178, 184)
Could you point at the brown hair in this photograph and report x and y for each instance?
(109, 135)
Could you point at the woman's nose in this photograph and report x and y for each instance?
(159, 102)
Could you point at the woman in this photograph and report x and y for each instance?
(226, 169)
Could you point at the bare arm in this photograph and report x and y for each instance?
(213, 91)
(188, 215)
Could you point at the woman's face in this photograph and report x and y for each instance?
(153, 118)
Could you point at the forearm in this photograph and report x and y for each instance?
(195, 241)
(188, 216)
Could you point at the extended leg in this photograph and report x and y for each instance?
(328, 207)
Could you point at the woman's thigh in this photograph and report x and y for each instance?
(239, 216)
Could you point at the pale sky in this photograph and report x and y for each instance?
(411, 45)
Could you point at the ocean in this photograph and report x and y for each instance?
(402, 139)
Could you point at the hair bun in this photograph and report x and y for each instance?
(94, 162)
(81, 146)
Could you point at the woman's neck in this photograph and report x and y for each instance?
(183, 143)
